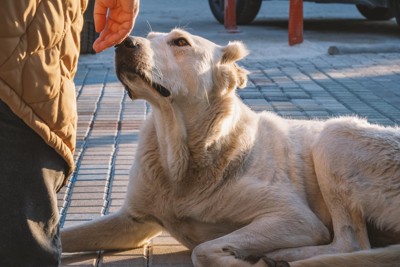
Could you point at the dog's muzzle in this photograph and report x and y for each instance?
(126, 53)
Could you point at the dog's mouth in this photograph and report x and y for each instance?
(158, 87)
(161, 89)
(130, 63)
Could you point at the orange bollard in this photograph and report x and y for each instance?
(230, 16)
(296, 22)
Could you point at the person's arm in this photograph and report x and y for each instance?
(114, 20)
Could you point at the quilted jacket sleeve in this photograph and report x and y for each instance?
(39, 49)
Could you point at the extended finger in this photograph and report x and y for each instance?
(100, 15)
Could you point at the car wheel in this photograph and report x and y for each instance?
(246, 10)
(375, 13)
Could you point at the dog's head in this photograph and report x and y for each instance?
(178, 64)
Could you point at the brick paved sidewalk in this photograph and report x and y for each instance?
(109, 122)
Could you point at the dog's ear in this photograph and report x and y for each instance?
(230, 76)
(230, 73)
(233, 52)
(241, 76)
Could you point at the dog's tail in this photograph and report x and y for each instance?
(382, 257)
(111, 232)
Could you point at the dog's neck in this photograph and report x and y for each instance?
(201, 137)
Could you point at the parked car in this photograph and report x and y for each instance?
(247, 10)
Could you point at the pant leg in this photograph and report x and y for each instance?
(31, 173)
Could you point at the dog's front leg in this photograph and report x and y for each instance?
(245, 246)
(111, 232)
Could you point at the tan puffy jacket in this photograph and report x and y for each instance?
(39, 49)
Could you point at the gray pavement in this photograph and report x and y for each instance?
(298, 82)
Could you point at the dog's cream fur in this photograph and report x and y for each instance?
(239, 187)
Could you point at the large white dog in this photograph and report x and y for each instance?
(240, 188)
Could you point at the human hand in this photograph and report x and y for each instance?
(115, 27)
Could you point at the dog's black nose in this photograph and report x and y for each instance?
(130, 43)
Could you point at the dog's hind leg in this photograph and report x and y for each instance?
(382, 257)
(348, 221)
(350, 234)
(111, 232)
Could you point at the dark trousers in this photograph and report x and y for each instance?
(31, 173)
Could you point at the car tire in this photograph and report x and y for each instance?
(88, 34)
(375, 13)
(246, 10)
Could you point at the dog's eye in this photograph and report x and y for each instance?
(180, 42)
